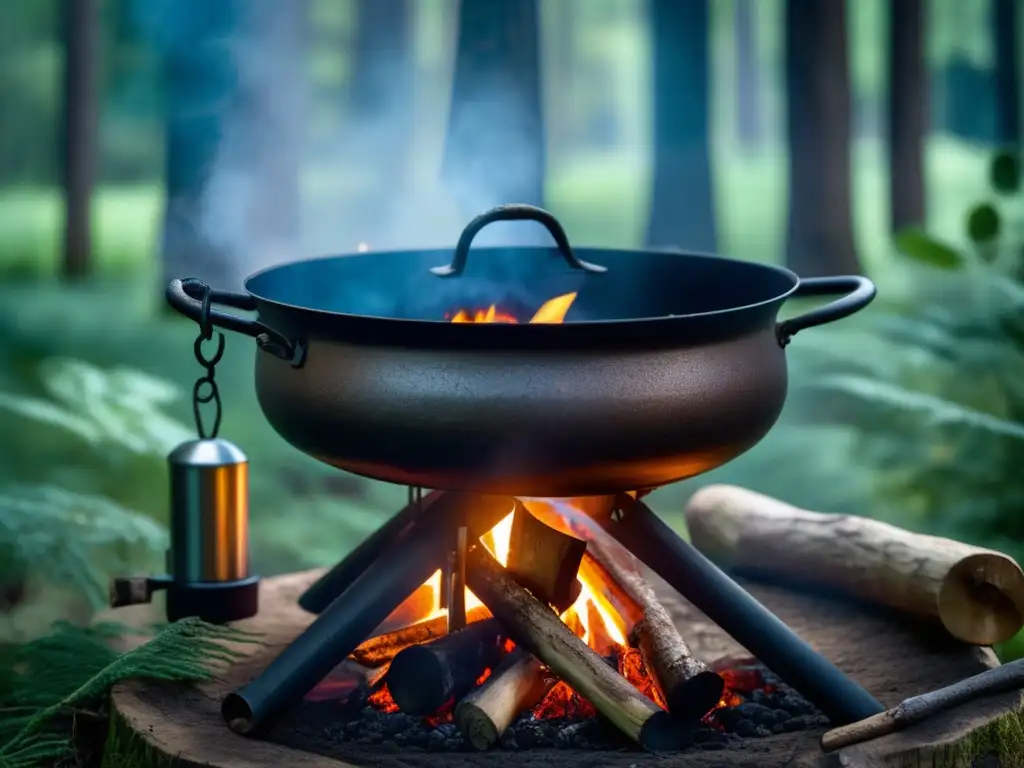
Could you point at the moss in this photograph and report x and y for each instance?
(1002, 738)
(125, 749)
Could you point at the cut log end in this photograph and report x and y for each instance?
(982, 599)
(476, 726)
(661, 733)
(691, 699)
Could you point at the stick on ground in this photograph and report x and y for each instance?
(1008, 677)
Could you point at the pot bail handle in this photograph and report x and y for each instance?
(859, 293)
(192, 298)
(513, 212)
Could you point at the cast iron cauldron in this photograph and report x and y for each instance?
(668, 364)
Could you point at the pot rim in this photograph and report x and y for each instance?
(607, 323)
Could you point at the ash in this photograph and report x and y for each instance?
(319, 726)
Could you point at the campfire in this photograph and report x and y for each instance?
(565, 627)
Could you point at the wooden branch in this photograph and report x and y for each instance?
(544, 560)
(422, 678)
(381, 649)
(1008, 677)
(977, 594)
(518, 683)
(685, 684)
(534, 626)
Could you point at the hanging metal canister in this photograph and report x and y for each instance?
(208, 561)
(209, 554)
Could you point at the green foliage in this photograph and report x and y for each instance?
(938, 393)
(916, 244)
(59, 529)
(46, 682)
(70, 539)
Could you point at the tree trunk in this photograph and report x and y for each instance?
(682, 198)
(495, 147)
(908, 113)
(748, 81)
(818, 111)
(381, 104)
(80, 131)
(235, 115)
(1006, 19)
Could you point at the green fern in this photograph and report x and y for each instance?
(935, 411)
(44, 682)
(118, 408)
(72, 539)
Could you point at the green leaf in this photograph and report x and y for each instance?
(1004, 173)
(920, 246)
(983, 223)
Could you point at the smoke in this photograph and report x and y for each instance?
(276, 187)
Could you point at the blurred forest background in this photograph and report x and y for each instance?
(142, 139)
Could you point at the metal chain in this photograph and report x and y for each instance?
(211, 394)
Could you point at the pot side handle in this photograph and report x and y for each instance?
(513, 212)
(859, 293)
(193, 298)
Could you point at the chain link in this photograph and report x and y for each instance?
(205, 389)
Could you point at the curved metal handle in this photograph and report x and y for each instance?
(859, 293)
(514, 212)
(187, 297)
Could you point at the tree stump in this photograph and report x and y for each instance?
(894, 657)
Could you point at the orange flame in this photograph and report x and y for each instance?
(592, 617)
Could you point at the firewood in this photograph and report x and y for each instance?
(1008, 677)
(977, 594)
(543, 559)
(687, 686)
(517, 684)
(422, 678)
(383, 648)
(534, 626)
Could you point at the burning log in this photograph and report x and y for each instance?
(687, 686)
(416, 553)
(422, 678)
(325, 589)
(381, 649)
(516, 685)
(977, 594)
(534, 626)
(732, 608)
(544, 560)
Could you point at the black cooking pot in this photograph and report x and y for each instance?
(668, 364)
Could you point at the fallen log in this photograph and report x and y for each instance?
(534, 626)
(422, 678)
(977, 594)
(517, 684)
(688, 688)
(381, 649)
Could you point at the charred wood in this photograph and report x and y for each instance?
(732, 608)
(685, 684)
(383, 648)
(422, 678)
